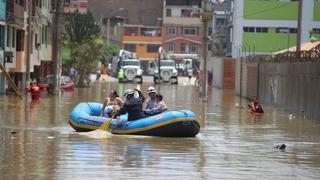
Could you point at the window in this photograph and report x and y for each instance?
(31, 41)
(130, 47)
(8, 36)
(248, 29)
(20, 40)
(13, 38)
(183, 48)
(190, 31)
(168, 13)
(171, 46)
(20, 2)
(210, 30)
(2, 40)
(293, 30)
(152, 48)
(286, 30)
(316, 30)
(194, 48)
(172, 30)
(261, 30)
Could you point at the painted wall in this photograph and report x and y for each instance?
(316, 11)
(2, 10)
(141, 45)
(268, 42)
(270, 10)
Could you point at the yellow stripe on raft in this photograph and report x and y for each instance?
(117, 131)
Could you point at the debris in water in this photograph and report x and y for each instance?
(280, 147)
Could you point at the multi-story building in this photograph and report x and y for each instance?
(16, 39)
(80, 5)
(2, 42)
(182, 27)
(218, 29)
(143, 40)
(15, 50)
(41, 37)
(264, 27)
(114, 13)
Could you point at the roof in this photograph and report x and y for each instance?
(304, 47)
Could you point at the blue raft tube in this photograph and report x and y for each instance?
(177, 123)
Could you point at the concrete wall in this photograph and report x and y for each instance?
(215, 64)
(292, 87)
(223, 70)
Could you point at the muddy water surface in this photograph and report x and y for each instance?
(37, 142)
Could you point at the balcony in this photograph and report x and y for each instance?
(15, 13)
(182, 20)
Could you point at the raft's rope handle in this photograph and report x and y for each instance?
(184, 112)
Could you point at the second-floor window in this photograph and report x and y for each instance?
(171, 46)
(2, 40)
(20, 40)
(190, 31)
(130, 47)
(194, 48)
(171, 30)
(168, 12)
(20, 2)
(152, 48)
(183, 48)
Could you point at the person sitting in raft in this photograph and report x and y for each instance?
(111, 104)
(152, 92)
(159, 107)
(132, 105)
(255, 106)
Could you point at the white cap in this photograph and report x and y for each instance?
(128, 91)
(152, 90)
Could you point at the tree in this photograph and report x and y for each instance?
(82, 36)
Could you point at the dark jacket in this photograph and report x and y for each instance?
(133, 107)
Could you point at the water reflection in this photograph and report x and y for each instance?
(232, 144)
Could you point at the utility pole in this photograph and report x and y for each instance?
(206, 16)
(29, 44)
(55, 46)
(298, 49)
(108, 31)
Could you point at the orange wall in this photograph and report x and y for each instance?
(142, 52)
(141, 45)
(142, 39)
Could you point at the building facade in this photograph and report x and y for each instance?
(14, 36)
(143, 40)
(264, 27)
(2, 43)
(182, 28)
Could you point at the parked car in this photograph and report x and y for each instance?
(168, 72)
(66, 83)
(131, 70)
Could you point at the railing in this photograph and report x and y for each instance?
(302, 56)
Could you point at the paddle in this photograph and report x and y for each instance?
(106, 125)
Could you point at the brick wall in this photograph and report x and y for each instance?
(229, 73)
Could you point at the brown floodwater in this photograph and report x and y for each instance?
(232, 143)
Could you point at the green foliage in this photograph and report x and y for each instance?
(86, 47)
(82, 37)
(81, 27)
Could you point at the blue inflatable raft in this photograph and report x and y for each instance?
(181, 123)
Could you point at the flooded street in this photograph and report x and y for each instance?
(38, 143)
